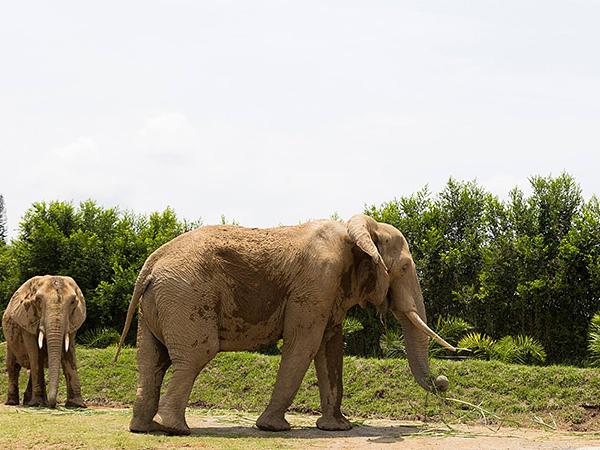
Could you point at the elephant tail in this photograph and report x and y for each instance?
(142, 282)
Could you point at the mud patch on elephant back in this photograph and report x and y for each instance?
(257, 295)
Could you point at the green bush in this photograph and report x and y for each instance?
(452, 329)
(481, 346)
(594, 341)
(99, 337)
(392, 344)
(351, 325)
(519, 350)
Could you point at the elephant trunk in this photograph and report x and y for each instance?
(417, 352)
(54, 339)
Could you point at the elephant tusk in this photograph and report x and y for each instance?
(67, 342)
(418, 322)
(40, 339)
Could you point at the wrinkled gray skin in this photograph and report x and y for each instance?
(227, 288)
(53, 306)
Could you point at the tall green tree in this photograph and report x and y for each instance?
(528, 265)
(103, 249)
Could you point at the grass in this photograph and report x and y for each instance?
(373, 388)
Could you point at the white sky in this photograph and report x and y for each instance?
(275, 112)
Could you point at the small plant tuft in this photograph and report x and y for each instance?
(99, 338)
(481, 346)
(453, 329)
(392, 344)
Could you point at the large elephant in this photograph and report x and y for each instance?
(228, 288)
(40, 323)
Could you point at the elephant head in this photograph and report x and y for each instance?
(50, 307)
(396, 288)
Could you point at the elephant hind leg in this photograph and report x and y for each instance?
(187, 364)
(13, 369)
(153, 361)
(191, 346)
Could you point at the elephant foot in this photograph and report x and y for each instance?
(12, 401)
(137, 425)
(332, 423)
(76, 402)
(37, 401)
(169, 426)
(272, 423)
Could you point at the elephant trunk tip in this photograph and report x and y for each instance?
(51, 402)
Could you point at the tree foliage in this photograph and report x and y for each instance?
(525, 266)
(529, 265)
(103, 249)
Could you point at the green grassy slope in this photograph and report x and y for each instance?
(373, 388)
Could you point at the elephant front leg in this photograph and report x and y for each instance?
(36, 371)
(41, 382)
(69, 365)
(299, 349)
(12, 368)
(153, 361)
(329, 363)
(28, 389)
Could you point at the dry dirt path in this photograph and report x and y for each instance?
(392, 434)
(101, 427)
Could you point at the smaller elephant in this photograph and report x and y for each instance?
(40, 323)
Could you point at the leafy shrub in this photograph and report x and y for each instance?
(351, 325)
(392, 344)
(594, 341)
(452, 329)
(99, 337)
(481, 346)
(519, 350)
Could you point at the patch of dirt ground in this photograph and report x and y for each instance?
(391, 434)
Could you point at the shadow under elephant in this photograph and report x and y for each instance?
(374, 433)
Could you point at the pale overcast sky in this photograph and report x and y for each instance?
(275, 112)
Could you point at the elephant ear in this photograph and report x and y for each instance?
(79, 312)
(372, 275)
(25, 306)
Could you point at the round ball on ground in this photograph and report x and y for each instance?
(441, 383)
